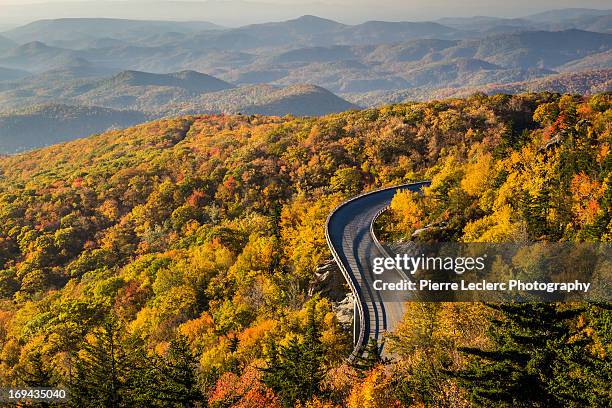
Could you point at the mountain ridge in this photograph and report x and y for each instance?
(64, 30)
(66, 119)
(188, 79)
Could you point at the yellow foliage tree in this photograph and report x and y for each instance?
(407, 213)
(477, 174)
(374, 392)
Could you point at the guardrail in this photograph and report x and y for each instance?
(359, 302)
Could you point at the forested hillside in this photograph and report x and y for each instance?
(44, 125)
(177, 260)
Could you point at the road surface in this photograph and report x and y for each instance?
(352, 242)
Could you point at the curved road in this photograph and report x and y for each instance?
(352, 242)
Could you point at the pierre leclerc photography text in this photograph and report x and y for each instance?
(310, 204)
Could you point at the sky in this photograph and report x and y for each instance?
(238, 12)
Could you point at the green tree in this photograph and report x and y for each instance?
(106, 371)
(36, 372)
(295, 371)
(530, 361)
(346, 180)
(177, 376)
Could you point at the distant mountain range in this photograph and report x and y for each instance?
(89, 32)
(305, 31)
(499, 58)
(340, 68)
(303, 66)
(582, 83)
(568, 14)
(554, 20)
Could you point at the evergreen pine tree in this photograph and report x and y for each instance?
(295, 371)
(105, 373)
(313, 356)
(178, 383)
(584, 375)
(530, 356)
(36, 373)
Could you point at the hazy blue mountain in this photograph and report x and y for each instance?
(543, 49)
(85, 75)
(166, 94)
(299, 100)
(57, 85)
(339, 68)
(586, 82)
(82, 33)
(7, 74)
(509, 57)
(601, 24)
(600, 60)
(527, 49)
(489, 25)
(315, 31)
(555, 16)
(70, 32)
(380, 32)
(304, 100)
(189, 80)
(257, 76)
(149, 92)
(304, 31)
(131, 72)
(168, 58)
(410, 51)
(300, 31)
(343, 76)
(6, 44)
(563, 19)
(76, 69)
(467, 71)
(194, 92)
(126, 90)
(37, 57)
(316, 54)
(45, 125)
(582, 83)
(472, 22)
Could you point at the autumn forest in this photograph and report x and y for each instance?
(178, 263)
